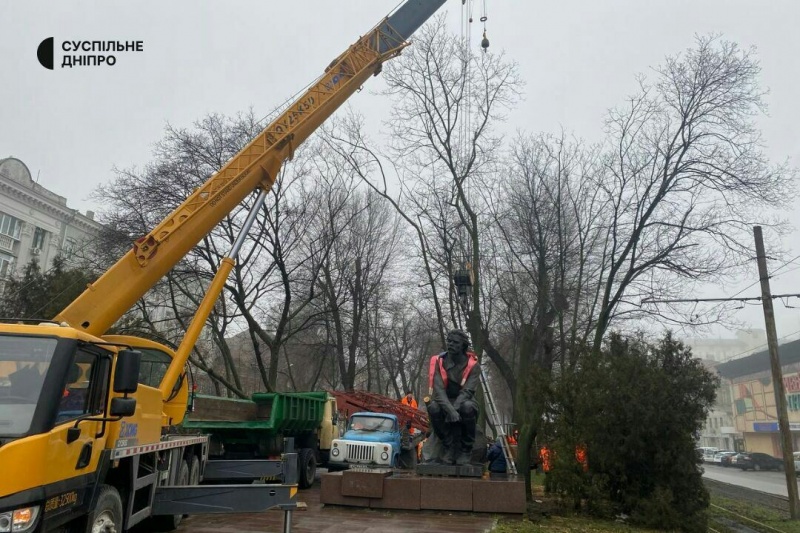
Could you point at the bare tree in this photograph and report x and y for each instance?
(446, 101)
(354, 272)
(686, 179)
(551, 221)
(273, 277)
(545, 220)
(407, 339)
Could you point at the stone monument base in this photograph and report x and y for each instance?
(433, 469)
(411, 492)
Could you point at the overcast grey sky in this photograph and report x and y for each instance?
(578, 58)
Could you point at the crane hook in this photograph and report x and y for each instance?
(484, 41)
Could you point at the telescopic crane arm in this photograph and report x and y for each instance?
(254, 167)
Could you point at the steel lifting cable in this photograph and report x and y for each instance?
(467, 8)
(466, 38)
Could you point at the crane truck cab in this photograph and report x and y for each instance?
(371, 439)
(87, 440)
(63, 396)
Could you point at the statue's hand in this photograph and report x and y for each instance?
(452, 417)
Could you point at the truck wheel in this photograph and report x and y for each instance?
(106, 517)
(194, 470)
(171, 522)
(306, 468)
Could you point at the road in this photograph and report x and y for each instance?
(769, 482)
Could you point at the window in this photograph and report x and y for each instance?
(24, 361)
(10, 226)
(6, 264)
(69, 247)
(371, 423)
(153, 366)
(86, 387)
(38, 238)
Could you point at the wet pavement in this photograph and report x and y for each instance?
(318, 518)
(769, 482)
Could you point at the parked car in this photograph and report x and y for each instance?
(719, 456)
(706, 453)
(729, 459)
(796, 462)
(758, 461)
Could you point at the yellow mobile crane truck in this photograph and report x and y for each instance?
(86, 419)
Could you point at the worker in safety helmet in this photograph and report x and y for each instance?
(453, 379)
(409, 400)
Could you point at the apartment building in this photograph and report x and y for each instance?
(36, 222)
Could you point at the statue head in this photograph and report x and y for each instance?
(457, 342)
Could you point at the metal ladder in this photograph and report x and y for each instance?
(491, 410)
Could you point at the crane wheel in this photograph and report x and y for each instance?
(171, 522)
(194, 470)
(106, 517)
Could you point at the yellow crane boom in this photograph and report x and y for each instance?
(255, 166)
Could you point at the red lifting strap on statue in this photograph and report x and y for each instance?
(472, 360)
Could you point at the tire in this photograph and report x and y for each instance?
(194, 470)
(106, 517)
(171, 522)
(306, 468)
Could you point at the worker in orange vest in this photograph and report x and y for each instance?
(409, 400)
(513, 438)
(581, 457)
(544, 455)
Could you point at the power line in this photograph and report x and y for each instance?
(750, 350)
(734, 297)
(731, 299)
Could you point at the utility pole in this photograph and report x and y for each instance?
(777, 374)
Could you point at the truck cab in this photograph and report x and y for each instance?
(371, 439)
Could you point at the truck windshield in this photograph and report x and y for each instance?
(371, 423)
(23, 364)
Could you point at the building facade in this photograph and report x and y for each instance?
(751, 388)
(722, 350)
(720, 430)
(36, 223)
